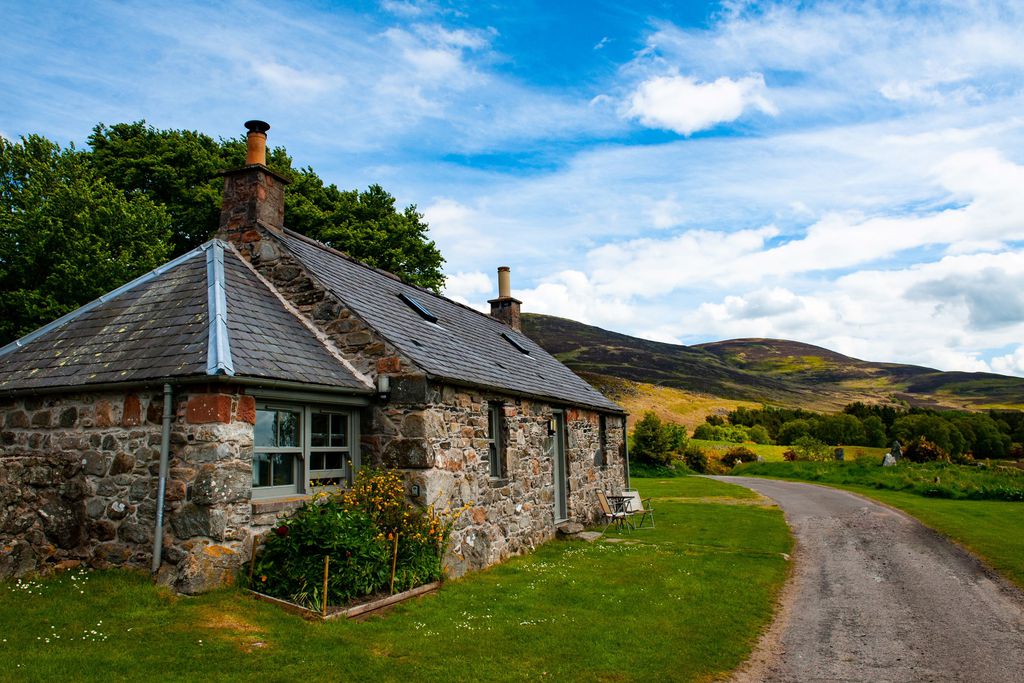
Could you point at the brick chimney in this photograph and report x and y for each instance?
(505, 308)
(253, 194)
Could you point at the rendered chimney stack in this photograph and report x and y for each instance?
(506, 308)
(253, 194)
(256, 142)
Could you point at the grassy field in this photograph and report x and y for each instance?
(935, 480)
(992, 529)
(684, 601)
(773, 453)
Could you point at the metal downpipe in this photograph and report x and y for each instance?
(161, 489)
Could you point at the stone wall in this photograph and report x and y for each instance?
(78, 479)
(515, 514)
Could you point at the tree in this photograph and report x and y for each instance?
(790, 431)
(178, 169)
(839, 429)
(874, 431)
(651, 442)
(66, 234)
(933, 428)
(809, 448)
(759, 434)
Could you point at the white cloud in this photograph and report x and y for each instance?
(467, 287)
(1011, 363)
(684, 105)
(283, 78)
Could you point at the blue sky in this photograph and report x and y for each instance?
(845, 174)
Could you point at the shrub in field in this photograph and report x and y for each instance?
(809, 448)
(696, 459)
(738, 454)
(357, 530)
(921, 449)
(759, 435)
(789, 455)
(652, 443)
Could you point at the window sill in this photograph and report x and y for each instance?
(261, 506)
(498, 482)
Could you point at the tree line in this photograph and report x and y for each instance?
(984, 435)
(76, 223)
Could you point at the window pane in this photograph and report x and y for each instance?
(316, 461)
(287, 428)
(261, 469)
(263, 433)
(320, 426)
(339, 431)
(284, 468)
(332, 461)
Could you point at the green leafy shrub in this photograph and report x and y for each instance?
(921, 449)
(357, 530)
(656, 442)
(809, 448)
(696, 459)
(738, 454)
(759, 435)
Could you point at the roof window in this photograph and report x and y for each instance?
(511, 340)
(418, 307)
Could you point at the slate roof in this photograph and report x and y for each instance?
(464, 346)
(205, 313)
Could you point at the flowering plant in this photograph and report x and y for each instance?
(358, 529)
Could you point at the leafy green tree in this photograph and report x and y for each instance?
(839, 429)
(982, 436)
(792, 430)
(809, 448)
(759, 434)
(178, 169)
(66, 234)
(874, 431)
(933, 428)
(651, 441)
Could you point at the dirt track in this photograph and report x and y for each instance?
(877, 597)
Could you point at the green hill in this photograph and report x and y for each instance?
(773, 371)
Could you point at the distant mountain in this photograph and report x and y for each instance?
(771, 371)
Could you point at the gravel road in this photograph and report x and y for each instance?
(877, 597)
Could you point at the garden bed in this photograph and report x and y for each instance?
(359, 610)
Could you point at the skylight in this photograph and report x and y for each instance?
(418, 307)
(515, 343)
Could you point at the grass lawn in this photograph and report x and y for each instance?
(685, 601)
(772, 453)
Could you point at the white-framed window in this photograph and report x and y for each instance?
(496, 440)
(297, 445)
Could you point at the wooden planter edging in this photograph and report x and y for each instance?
(363, 610)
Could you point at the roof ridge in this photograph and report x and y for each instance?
(319, 335)
(102, 299)
(218, 346)
(347, 257)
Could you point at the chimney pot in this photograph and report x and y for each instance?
(504, 282)
(256, 142)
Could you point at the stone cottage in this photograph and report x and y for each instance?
(170, 422)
